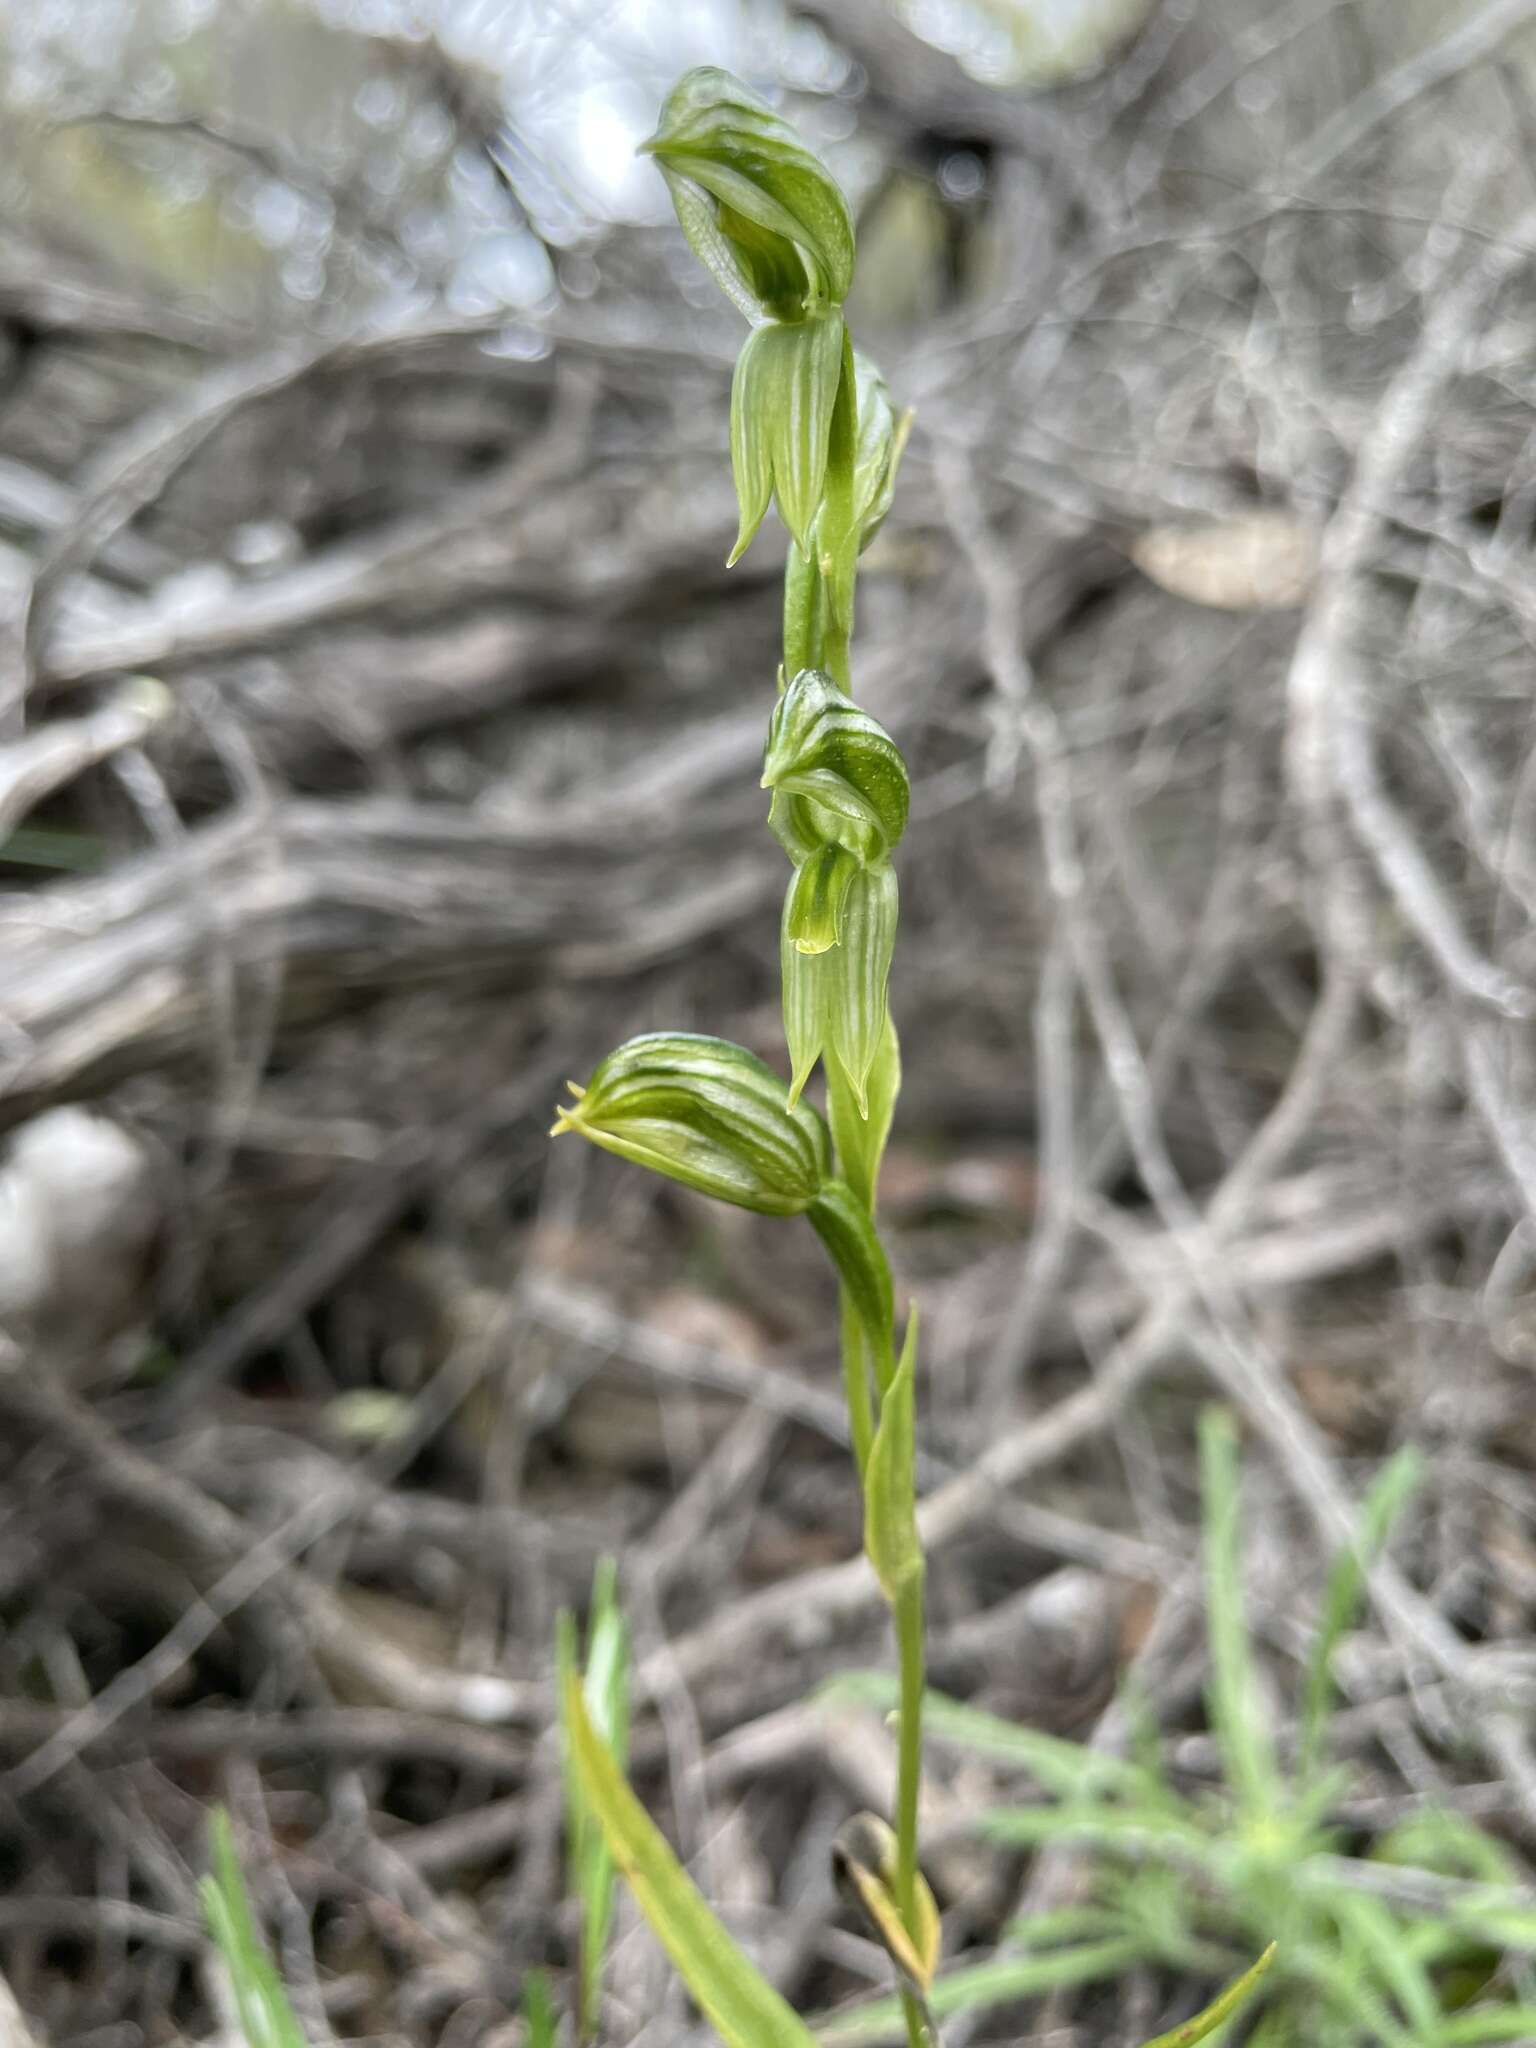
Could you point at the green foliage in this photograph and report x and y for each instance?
(860, 1139)
(1399, 1942)
(1221, 2007)
(266, 2017)
(1386, 1500)
(812, 428)
(540, 2029)
(604, 1687)
(891, 1541)
(847, 1230)
(739, 2003)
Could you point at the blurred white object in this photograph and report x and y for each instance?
(79, 1211)
(1258, 562)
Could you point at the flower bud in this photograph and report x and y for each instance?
(709, 1114)
(782, 398)
(761, 211)
(836, 774)
(835, 1000)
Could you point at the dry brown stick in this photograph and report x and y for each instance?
(242, 1566)
(1228, 1345)
(350, 1734)
(814, 1604)
(335, 1233)
(770, 1390)
(358, 893)
(335, 584)
(132, 470)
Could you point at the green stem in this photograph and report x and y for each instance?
(813, 637)
(908, 1616)
(861, 1421)
(912, 2012)
(802, 613)
(834, 656)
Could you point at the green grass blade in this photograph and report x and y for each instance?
(1388, 1496)
(1381, 1940)
(605, 1689)
(539, 2030)
(980, 1985)
(1205, 2023)
(1493, 2023)
(1156, 1836)
(737, 2000)
(1069, 1769)
(1237, 1714)
(266, 2017)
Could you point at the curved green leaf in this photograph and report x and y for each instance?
(1219, 2009)
(737, 2000)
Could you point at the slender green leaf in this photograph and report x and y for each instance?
(857, 972)
(1222, 2008)
(1380, 1936)
(52, 846)
(1131, 1829)
(861, 1140)
(843, 1224)
(1383, 1504)
(266, 2017)
(738, 2001)
(589, 1865)
(1487, 2023)
(891, 1540)
(1347, 1982)
(1066, 1768)
(1237, 1711)
(539, 2030)
(974, 1989)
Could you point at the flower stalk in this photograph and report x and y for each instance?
(812, 432)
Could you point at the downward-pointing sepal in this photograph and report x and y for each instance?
(835, 1000)
(782, 398)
